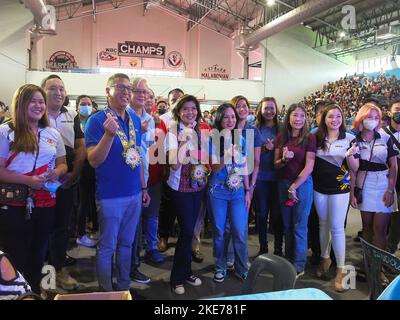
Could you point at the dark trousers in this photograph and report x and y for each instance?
(313, 232)
(187, 208)
(394, 232)
(167, 215)
(87, 199)
(266, 200)
(26, 241)
(59, 237)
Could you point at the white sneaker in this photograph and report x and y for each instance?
(219, 277)
(86, 241)
(178, 289)
(194, 281)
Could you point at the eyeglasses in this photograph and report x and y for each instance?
(122, 87)
(140, 92)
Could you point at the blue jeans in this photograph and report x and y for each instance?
(228, 205)
(187, 207)
(118, 220)
(295, 220)
(265, 194)
(149, 222)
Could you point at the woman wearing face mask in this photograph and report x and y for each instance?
(394, 131)
(87, 182)
(376, 175)
(84, 106)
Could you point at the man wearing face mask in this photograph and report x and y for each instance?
(87, 182)
(394, 131)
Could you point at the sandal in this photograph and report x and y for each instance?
(323, 267)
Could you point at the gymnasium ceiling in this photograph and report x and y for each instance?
(228, 17)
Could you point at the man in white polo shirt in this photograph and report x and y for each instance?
(66, 122)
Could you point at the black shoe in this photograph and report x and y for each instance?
(135, 295)
(315, 260)
(361, 276)
(357, 237)
(262, 250)
(278, 253)
(69, 261)
(197, 256)
(139, 277)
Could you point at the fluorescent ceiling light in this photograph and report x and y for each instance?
(270, 3)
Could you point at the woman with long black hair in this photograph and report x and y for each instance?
(228, 192)
(31, 154)
(187, 180)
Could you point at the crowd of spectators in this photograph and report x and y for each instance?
(350, 92)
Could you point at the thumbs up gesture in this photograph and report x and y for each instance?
(353, 150)
(287, 155)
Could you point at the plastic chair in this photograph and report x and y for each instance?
(283, 271)
(374, 259)
(392, 292)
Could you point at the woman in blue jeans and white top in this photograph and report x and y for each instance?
(294, 157)
(228, 192)
(376, 175)
(333, 164)
(187, 179)
(266, 190)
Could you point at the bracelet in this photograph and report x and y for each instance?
(292, 191)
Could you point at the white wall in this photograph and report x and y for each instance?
(214, 49)
(94, 84)
(294, 70)
(14, 22)
(83, 38)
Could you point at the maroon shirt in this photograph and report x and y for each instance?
(294, 166)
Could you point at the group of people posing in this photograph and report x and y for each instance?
(150, 167)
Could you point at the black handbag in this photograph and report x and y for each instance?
(358, 194)
(15, 192)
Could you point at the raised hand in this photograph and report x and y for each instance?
(287, 154)
(269, 146)
(145, 125)
(353, 150)
(110, 125)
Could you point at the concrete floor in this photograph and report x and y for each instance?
(159, 289)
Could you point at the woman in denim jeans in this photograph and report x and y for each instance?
(228, 192)
(294, 157)
(266, 190)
